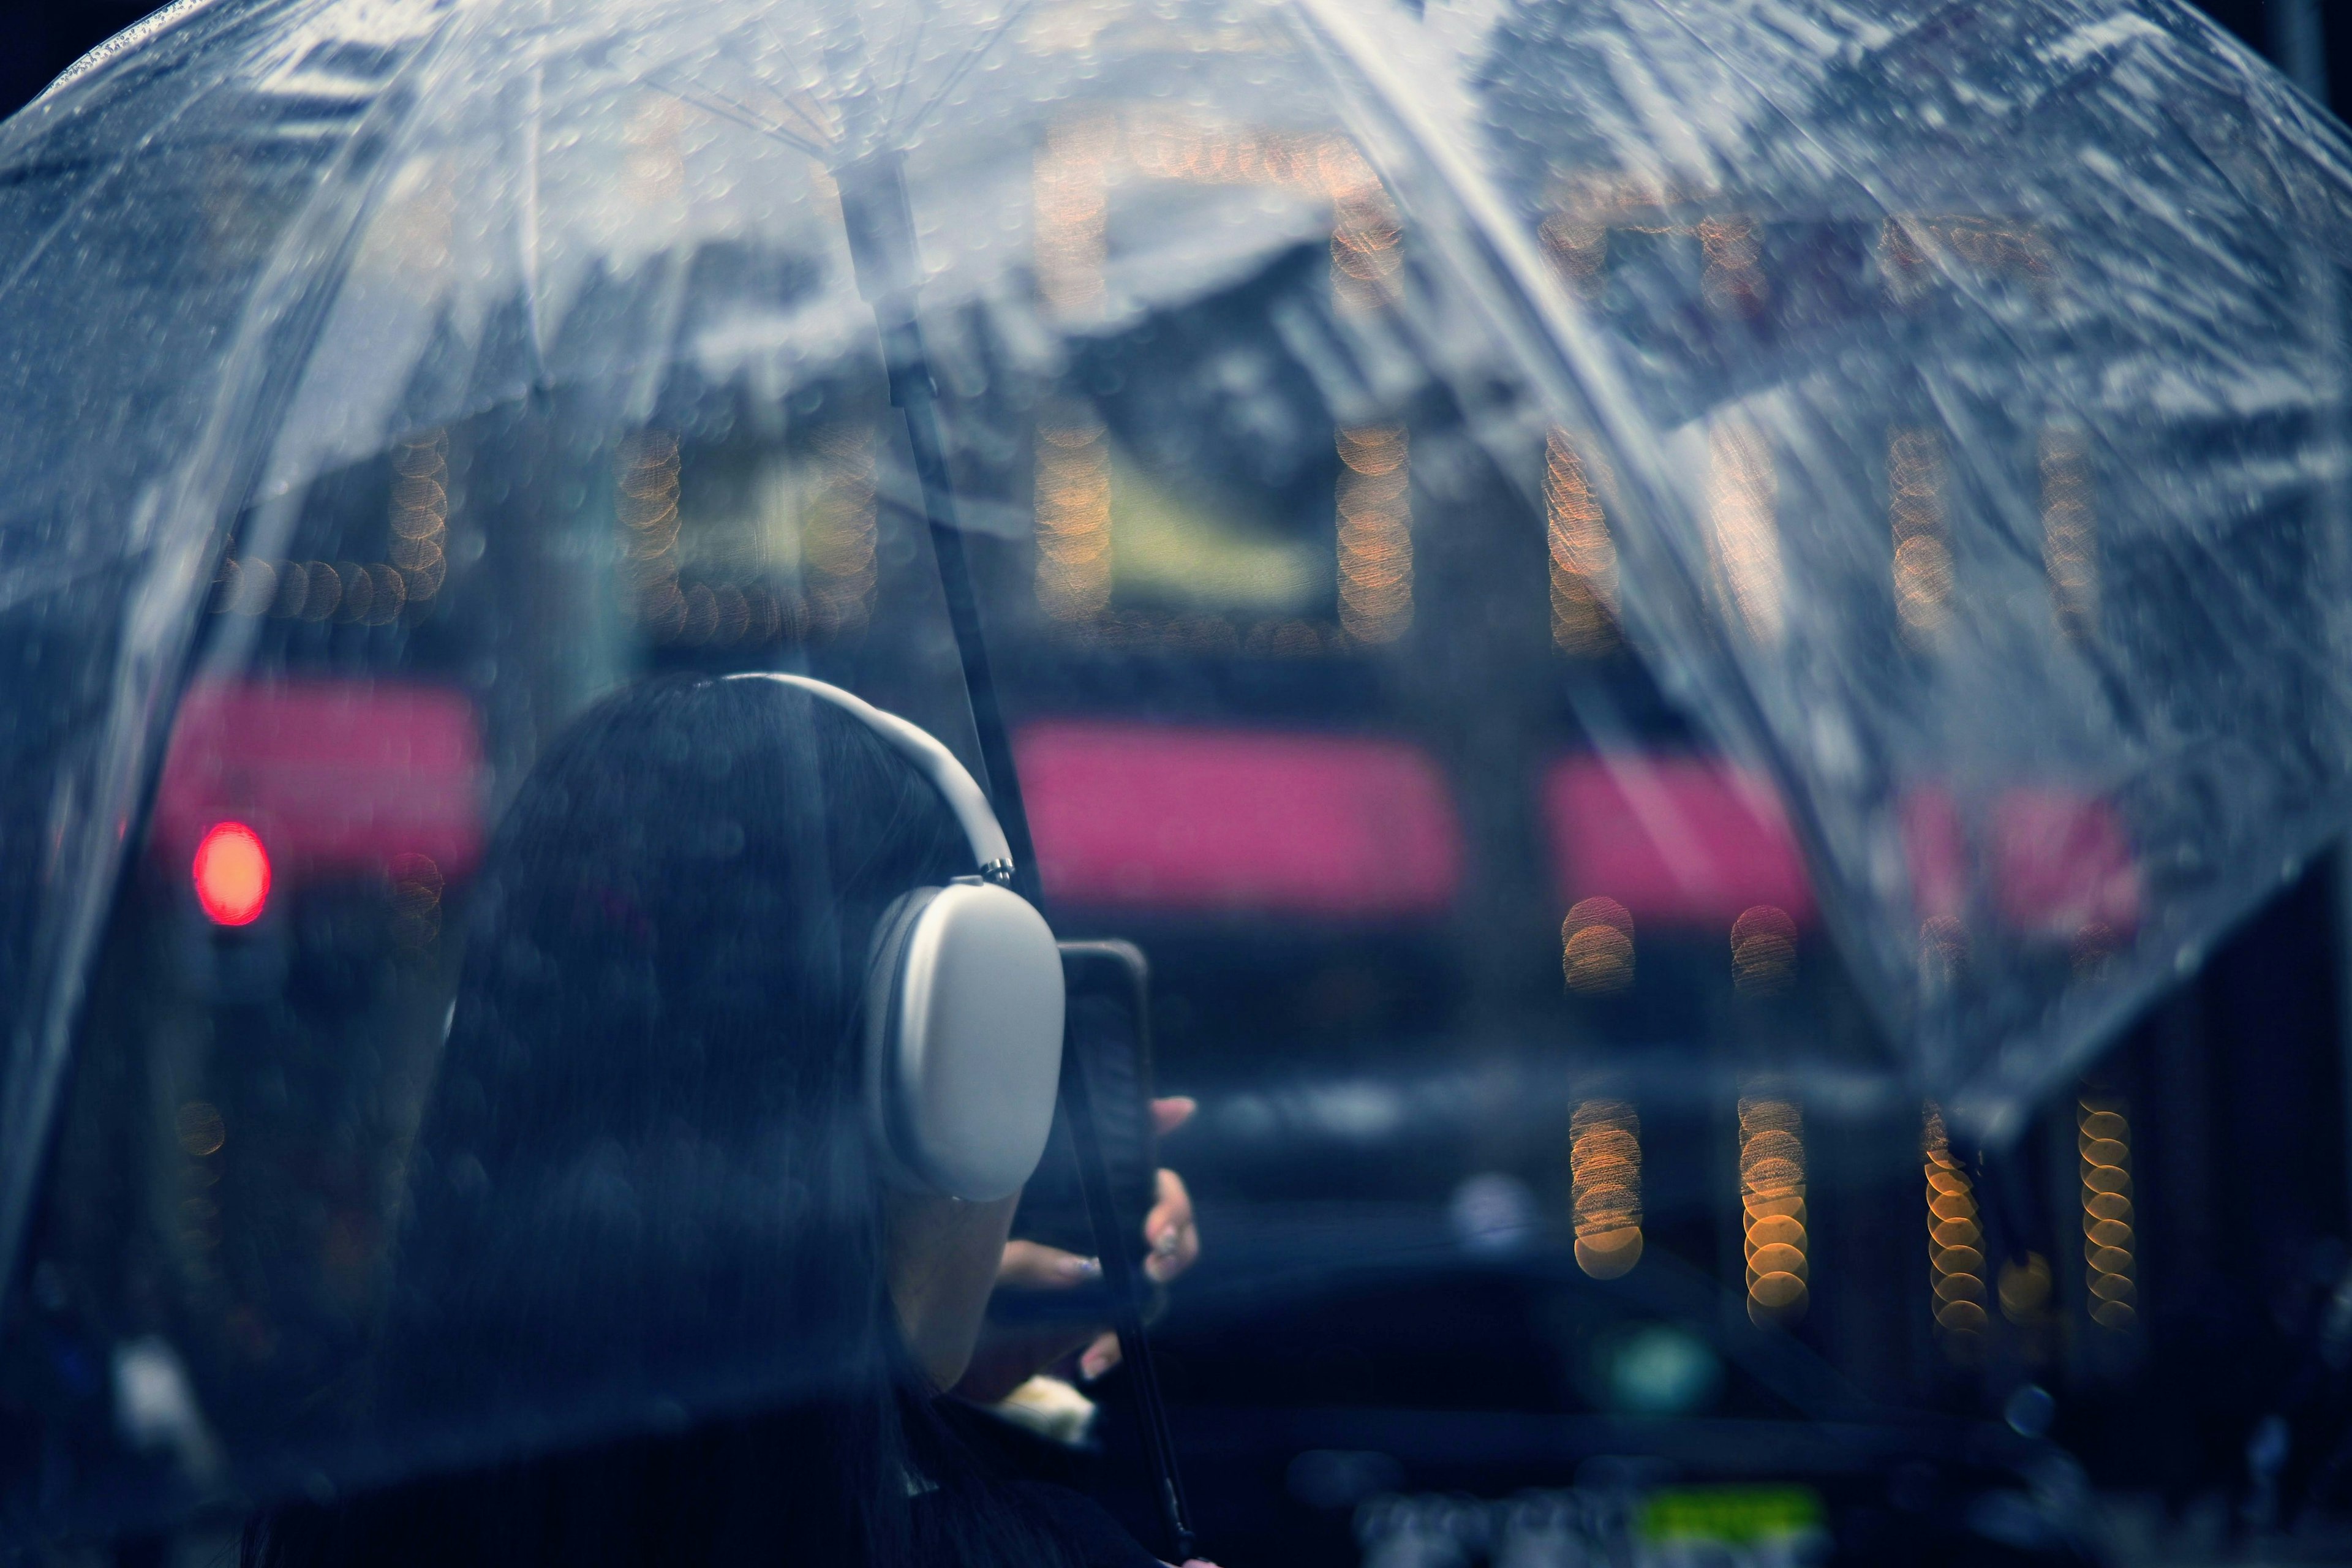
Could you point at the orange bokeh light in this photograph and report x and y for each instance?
(232, 874)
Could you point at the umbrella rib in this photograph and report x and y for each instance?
(818, 139)
(800, 101)
(823, 128)
(907, 67)
(702, 98)
(527, 237)
(964, 68)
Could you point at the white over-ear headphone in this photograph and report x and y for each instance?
(963, 1000)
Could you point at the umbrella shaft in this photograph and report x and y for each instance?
(917, 397)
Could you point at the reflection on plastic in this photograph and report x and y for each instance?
(155, 1406)
(2070, 533)
(1493, 1215)
(1743, 503)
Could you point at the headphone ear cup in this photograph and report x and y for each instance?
(885, 970)
(965, 1039)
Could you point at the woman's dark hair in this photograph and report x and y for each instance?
(642, 1194)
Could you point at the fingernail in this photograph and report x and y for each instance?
(1093, 1364)
(1165, 1243)
(1078, 1268)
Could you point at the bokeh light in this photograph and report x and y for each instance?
(839, 538)
(201, 1129)
(1605, 1177)
(416, 889)
(644, 503)
(1596, 947)
(1956, 1245)
(1584, 557)
(1375, 533)
(1772, 1205)
(652, 168)
(1655, 1370)
(1915, 512)
(1763, 951)
(2025, 1288)
(1085, 157)
(352, 593)
(232, 874)
(1072, 201)
(817, 512)
(1074, 558)
(420, 516)
(2104, 1143)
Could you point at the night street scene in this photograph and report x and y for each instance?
(1249, 783)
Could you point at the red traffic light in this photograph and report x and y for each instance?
(232, 874)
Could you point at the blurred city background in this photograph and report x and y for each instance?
(1769, 1304)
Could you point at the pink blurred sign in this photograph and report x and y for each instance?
(1680, 840)
(2056, 862)
(2062, 862)
(1936, 847)
(1161, 817)
(335, 777)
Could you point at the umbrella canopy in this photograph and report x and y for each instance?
(1401, 457)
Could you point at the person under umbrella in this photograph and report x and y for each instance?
(652, 1119)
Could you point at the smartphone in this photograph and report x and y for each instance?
(1106, 1034)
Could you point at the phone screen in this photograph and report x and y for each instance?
(1108, 1031)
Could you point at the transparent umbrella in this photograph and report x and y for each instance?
(1350, 470)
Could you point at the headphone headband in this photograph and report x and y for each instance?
(954, 781)
(964, 1000)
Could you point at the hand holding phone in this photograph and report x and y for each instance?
(1137, 1214)
(1048, 1301)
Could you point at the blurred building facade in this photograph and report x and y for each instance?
(2158, 1276)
